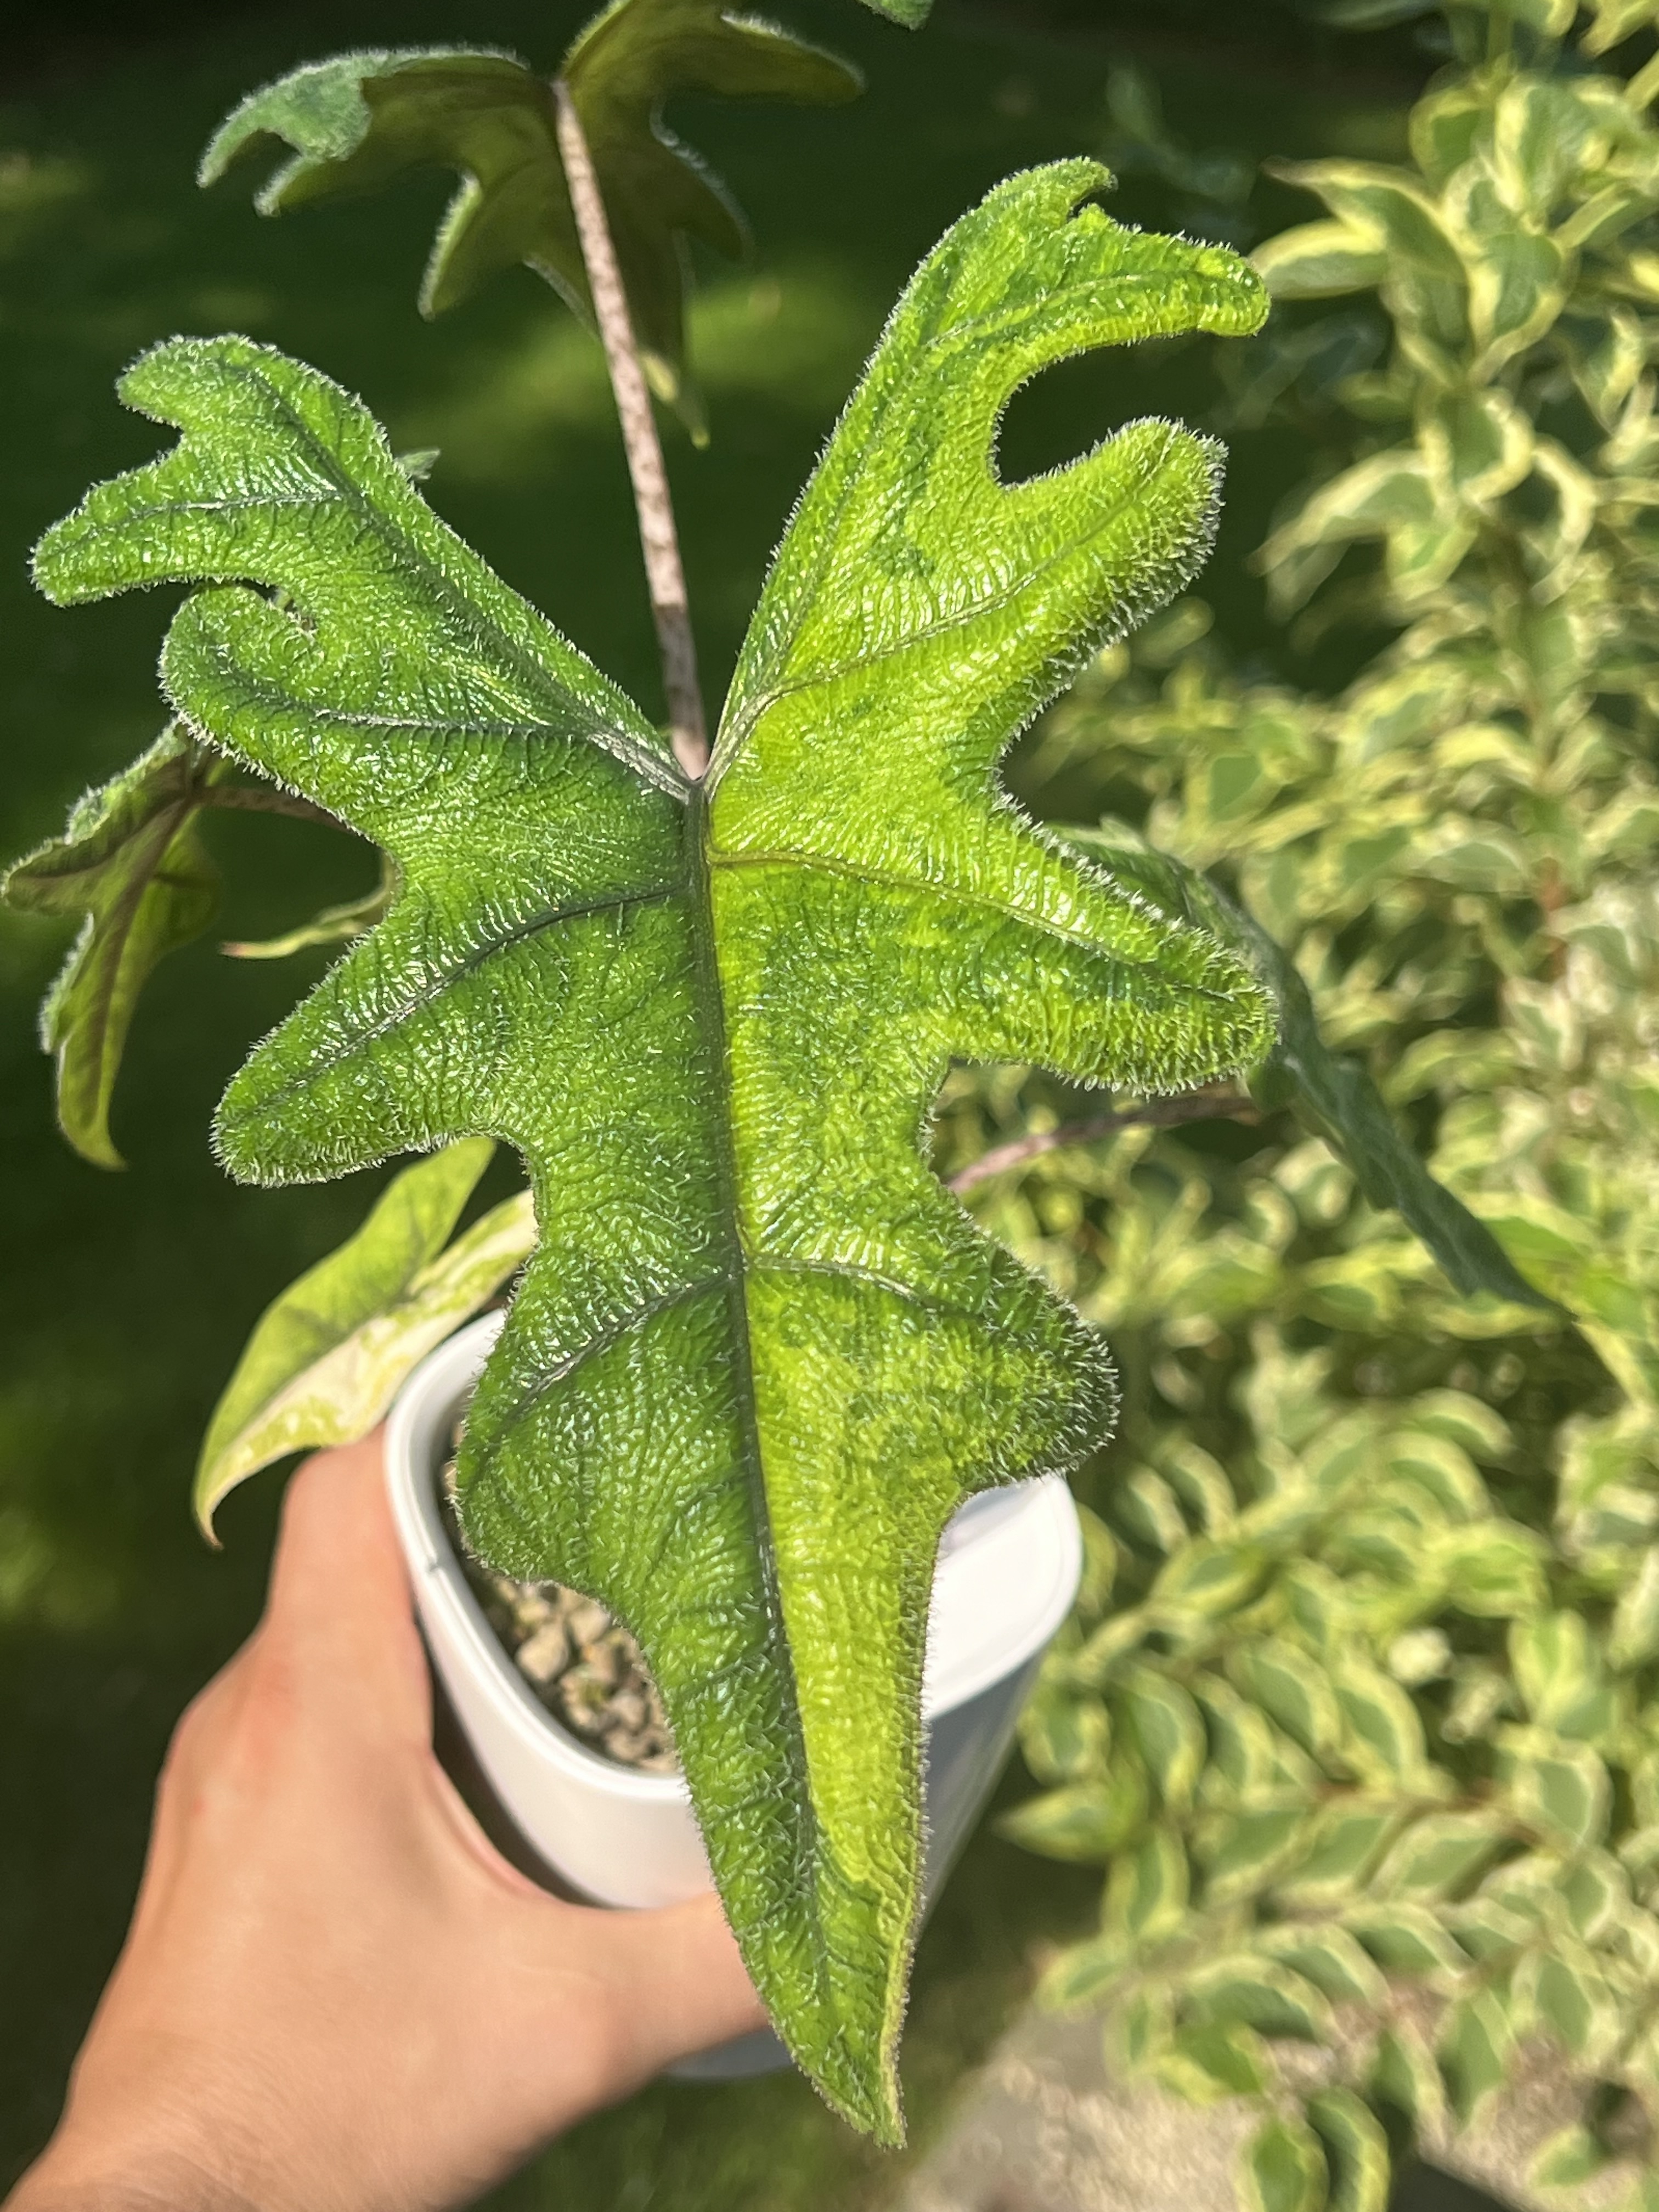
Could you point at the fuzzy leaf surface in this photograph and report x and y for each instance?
(131, 867)
(358, 120)
(760, 1355)
(327, 1357)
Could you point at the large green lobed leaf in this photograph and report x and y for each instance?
(760, 1355)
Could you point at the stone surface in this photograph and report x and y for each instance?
(1042, 2127)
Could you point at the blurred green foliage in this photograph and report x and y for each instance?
(1359, 1709)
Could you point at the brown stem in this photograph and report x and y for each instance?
(265, 798)
(659, 539)
(1156, 1114)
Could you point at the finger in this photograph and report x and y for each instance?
(340, 1603)
(676, 1982)
(191, 1754)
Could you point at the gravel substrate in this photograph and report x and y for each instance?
(582, 1665)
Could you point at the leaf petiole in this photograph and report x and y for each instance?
(658, 537)
(1212, 1103)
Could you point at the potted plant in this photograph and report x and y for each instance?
(757, 1357)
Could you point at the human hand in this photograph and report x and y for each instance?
(335, 1996)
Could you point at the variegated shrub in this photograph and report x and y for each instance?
(1361, 1714)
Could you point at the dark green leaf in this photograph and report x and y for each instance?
(358, 120)
(1356, 2150)
(1214, 2060)
(128, 866)
(1282, 2169)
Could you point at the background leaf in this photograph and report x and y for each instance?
(334, 924)
(360, 119)
(130, 865)
(327, 1358)
(1282, 2169)
(1331, 1094)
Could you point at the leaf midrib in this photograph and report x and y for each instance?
(712, 1024)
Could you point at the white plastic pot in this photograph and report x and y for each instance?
(1007, 1572)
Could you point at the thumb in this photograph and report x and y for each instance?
(659, 1984)
(683, 1987)
(340, 1603)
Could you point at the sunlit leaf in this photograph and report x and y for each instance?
(1169, 1731)
(1474, 2047)
(1356, 2151)
(327, 1358)
(1148, 1889)
(1333, 1094)
(1065, 1734)
(1214, 2060)
(1439, 1855)
(1321, 260)
(1572, 2156)
(714, 1018)
(1264, 1993)
(1562, 1790)
(1326, 1955)
(1405, 1939)
(1404, 2075)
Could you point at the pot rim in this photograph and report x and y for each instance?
(414, 1431)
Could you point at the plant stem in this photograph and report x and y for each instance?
(265, 798)
(659, 539)
(1156, 1114)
